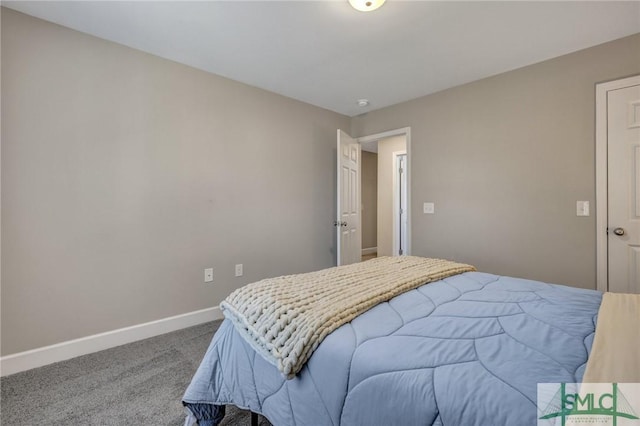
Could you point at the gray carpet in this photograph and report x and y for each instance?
(141, 383)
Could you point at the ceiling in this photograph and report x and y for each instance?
(330, 55)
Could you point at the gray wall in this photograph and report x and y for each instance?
(369, 178)
(125, 175)
(505, 159)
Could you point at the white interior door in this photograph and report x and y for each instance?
(348, 222)
(623, 145)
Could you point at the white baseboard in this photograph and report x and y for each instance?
(369, 250)
(27, 360)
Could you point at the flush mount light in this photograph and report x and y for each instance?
(363, 102)
(366, 5)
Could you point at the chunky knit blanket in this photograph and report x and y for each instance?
(286, 318)
(615, 353)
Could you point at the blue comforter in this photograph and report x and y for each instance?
(466, 350)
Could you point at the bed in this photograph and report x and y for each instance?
(468, 349)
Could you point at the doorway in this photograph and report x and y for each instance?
(618, 185)
(385, 207)
(348, 221)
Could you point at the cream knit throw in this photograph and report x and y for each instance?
(615, 353)
(286, 318)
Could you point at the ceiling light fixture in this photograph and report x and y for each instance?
(366, 5)
(363, 102)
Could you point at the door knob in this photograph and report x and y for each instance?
(344, 223)
(619, 231)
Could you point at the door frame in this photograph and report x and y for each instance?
(397, 188)
(602, 188)
(406, 132)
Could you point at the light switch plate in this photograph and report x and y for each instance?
(582, 208)
(429, 208)
(208, 275)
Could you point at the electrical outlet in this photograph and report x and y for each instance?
(208, 275)
(239, 270)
